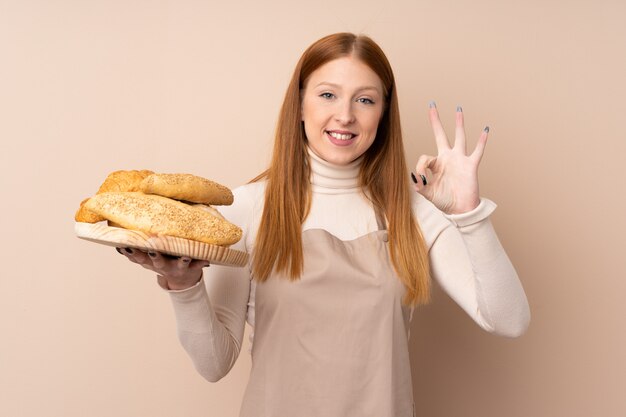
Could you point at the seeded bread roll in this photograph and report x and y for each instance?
(209, 209)
(115, 181)
(85, 215)
(158, 215)
(187, 187)
(124, 181)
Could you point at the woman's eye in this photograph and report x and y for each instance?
(365, 101)
(327, 95)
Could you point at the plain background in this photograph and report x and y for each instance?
(88, 87)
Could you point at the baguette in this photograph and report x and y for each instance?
(115, 181)
(84, 215)
(159, 215)
(124, 180)
(187, 187)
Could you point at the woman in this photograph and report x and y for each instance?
(342, 249)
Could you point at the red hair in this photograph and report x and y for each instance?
(383, 176)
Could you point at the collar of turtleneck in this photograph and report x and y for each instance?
(327, 178)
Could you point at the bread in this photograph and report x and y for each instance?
(158, 215)
(124, 181)
(115, 181)
(187, 187)
(87, 216)
(209, 209)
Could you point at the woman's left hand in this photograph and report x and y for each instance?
(451, 177)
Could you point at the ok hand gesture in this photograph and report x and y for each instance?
(450, 179)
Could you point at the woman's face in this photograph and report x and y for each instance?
(342, 103)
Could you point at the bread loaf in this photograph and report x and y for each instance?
(85, 215)
(209, 209)
(115, 181)
(187, 187)
(124, 181)
(158, 215)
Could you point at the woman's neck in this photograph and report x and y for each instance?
(327, 178)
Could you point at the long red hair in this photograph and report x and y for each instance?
(383, 176)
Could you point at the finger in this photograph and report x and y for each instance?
(422, 168)
(440, 134)
(421, 185)
(158, 261)
(459, 137)
(478, 152)
(198, 264)
(183, 263)
(136, 256)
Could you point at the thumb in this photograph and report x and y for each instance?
(162, 281)
(424, 163)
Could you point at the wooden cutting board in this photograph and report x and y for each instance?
(176, 246)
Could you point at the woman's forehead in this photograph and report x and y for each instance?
(345, 73)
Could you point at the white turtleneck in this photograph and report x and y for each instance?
(466, 259)
(338, 204)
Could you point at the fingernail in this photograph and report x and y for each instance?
(424, 179)
(458, 108)
(413, 178)
(128, 250)
(152, 254)
(486, 129)
(432, 104)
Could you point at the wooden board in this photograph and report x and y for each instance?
(115, 236)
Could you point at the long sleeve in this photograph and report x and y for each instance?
(211, 316)
(469, 262)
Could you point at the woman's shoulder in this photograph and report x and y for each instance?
(251, 191)
(248, 199)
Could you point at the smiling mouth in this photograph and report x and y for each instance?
(341, 136)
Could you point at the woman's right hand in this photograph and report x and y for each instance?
(173, 273)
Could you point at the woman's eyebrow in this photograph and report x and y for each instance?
(366, 87)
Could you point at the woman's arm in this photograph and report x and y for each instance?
(471, 266)
(466, 256)
(211, 315)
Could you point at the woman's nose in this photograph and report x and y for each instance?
(345, 113)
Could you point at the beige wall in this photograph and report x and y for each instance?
(87, 87)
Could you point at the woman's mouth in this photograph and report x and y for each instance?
(341, 138)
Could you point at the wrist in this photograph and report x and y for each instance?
(465, 208)
(176, 284)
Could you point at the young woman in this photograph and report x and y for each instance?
(343, 249)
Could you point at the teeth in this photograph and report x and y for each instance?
(340, 136)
